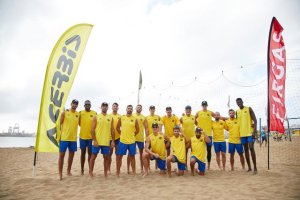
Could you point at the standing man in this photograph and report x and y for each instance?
(218, 127)
(234, 140)
(140, 137)
(204, 120)
(116, 117)
(188, 125)
(169, 121)
(85, 122)
(155, 150)
(263, 136)
(246, 116)
(152, 118)
(198, 146)
(128, 127)
(178, 143)
(102, 131)
(69, 126)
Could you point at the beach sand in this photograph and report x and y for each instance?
(282, 181)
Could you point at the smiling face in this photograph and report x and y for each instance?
(176, 132)
(74, 106)
(87, 105)
(231, 114)
(239, 102)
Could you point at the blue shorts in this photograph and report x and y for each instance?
(140, 145)
(238, 147)
(220, 146)
(161, 164)
(85, 143)
(105, 150)
(201, 165)
(181, 166)
(122, 149)
(264, 138)
(71, 145)
(117, 141)
(211, 142)
(248, 139)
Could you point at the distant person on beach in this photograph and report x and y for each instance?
(188, 125)
(152, 118)
(69, 125)
(218, 127)
(198, 148)
(246, 116)
(140, 137)
(234, 140)
(128, 127)
(203, 119)
(169, 121)
(85, 122)
(263, 136)
(103, 138)
(178, 144)
(155, 149)
(116, 117)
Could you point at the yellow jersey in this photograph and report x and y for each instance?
(178, 146)
(86, 119)
(141, 120)
(188, 126)
(169, 123)
(116, 118)
(218, 129)
(127, 129)
(233, 128)
(103, 129)
(245, 121)
(158, 145)
(198, 147)
(70, 126)
(205, 121)
(150, 120)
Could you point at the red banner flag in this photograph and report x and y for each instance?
(276, 78)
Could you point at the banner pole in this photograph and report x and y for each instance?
(260, 131)
(34, 163)
(268, 68)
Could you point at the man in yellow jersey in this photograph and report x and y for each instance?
(218, 127)
(102, 132)
(69, 126)
(169, 121)
(198, 146)
(204, 120)
(139, 138)
(116, 117)
(234, 140)
(85, 122)
(156, 150)
(188, 125)
(151, 119)
(128, 127)
(246, 116)
(178, 144)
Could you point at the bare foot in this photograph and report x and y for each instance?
(255, 171)
(60, 177)
(91, 175)
(145, 174)
(249, 170)
(69, 174)
(82, 172)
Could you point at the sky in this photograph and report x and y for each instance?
(181, 47)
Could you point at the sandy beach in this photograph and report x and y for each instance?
(282, 181)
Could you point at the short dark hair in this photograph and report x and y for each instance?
(115, 104)
(239, 99)
(168, 108)
(139, 105)
(129, 106)
(176, 127)
(230, 110)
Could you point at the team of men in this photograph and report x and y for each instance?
(108, 133)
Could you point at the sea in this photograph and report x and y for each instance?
(6, 142)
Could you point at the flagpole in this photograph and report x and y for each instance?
(139, 87)
(34, 163)
(268, 116)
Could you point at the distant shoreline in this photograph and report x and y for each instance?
(17, 135)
